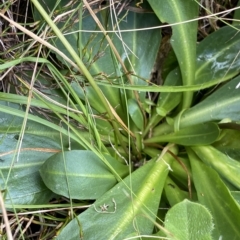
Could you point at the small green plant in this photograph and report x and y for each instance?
(154, 143)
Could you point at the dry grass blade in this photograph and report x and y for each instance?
(40, 40)
(5, 217)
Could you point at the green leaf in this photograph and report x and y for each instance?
(184, 35)
(48, 6)
(179, 173)
(190, 136)
(132, 46)
(213, 193)
(226, 167)
(236, 196)
(229, 143)
(136, 48)
(80, 174)
(112, 95)
(173, 193)
(26, 190)
(168, 101)
(104, 127)
(188, 221)
(40, 126)
(135, 113)
(236, 15)
(13, 124)
(136, 205)
(217, 55)
(19, 173)
(223, 103)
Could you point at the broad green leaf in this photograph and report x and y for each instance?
(135, 113)
(236, 196)
(136, 48)
(133, 46)
(19, 174)
(173, 193)
(104, 127)
(188, 221)
(38, 126)
(217, 55)
(213, 193)
(229, 143)
(21, 99)
(13, 124)
(27, 190)
(81, 139)
(221, 104)
(226, 167)
(80, 174)
(136, 200)
(190, 136)
(184, 35)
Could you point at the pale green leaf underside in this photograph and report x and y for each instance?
(187, 221)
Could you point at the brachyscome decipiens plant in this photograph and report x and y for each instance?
(134, 134)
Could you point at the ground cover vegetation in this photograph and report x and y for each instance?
(120, 119)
